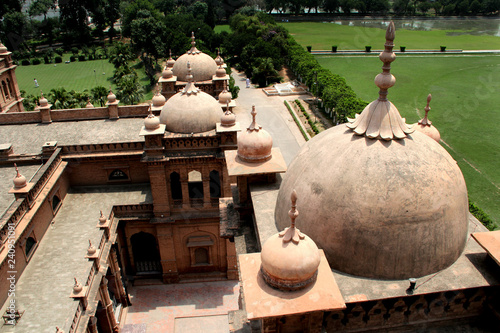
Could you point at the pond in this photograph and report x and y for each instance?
(471, 26)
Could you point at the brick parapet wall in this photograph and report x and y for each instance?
(30, 117)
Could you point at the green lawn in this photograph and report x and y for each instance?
(220, 28)
(465, 108)
(321, 36)
(76, 76)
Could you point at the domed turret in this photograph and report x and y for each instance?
(19, 180)
(203, 65)
(91, 250)
(220, 72)
(151, 122)
(102, 218)
(89, 104)
(111, 97)
(158, 99)
(290, 259)
(255, 144)
(191, 110)
(386, 203)
(225, 96)
(167, 73)
(218, 60)
(43, 101)
(425, 125)
(228, 119)
(170, 61)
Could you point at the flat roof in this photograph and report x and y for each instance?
(29, 138)
(472, 269)
(44, 288)
(7, 174)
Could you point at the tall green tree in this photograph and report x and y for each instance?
(130, 90)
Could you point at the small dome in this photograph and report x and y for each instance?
(89, 105)
(290, 259)
(386, 203)
(43, 101)
(3, 48)
(91, 249)
(19, 180)
(255, 144)
(218, 60)
(425, 125)
(111, 97)
(203, 65)
(225, 96)
(151, 122)
(77, 287)
(220, 72)
(102, 218)
(170, 61)
(228, 119)
(167, 73)
(158, 98)
(190, 110)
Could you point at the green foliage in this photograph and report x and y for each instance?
(58, 60)
(309, 120)
(130, 91)
(120, 55)
(36, 61)
(299, 125)
(98, 95)
(25, 62)
(233, 88)
(481, 216)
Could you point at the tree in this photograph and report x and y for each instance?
(74, 14)
(41, 7)
(130, 91)
(12, 30)
(120, 55)
(59, 98)
(330, 6)
(475, 7)
(98, 95)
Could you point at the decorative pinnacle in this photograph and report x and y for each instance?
(193, 42)
(254, 126)
(76, 281)
(17, 171)
(193, 49)
(90, 243)
(190, 88)
(170, 53)
(150, 113)
(385, 80)
(292, 233)
(425, 121)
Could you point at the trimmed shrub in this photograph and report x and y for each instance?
(309, 48)
(36, 61)
(481, 216)
(46, 59)
(368, 48)
(81, 57)
(58, 59)
(402, 48)
(25, 62)
(72, 58)
(443, 48)
(334, 48)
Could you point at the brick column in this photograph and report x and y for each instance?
(159, 189)
(185, 188)
(167, 253)
(108, 305)
(205, 178)
(117, 274)
(242, 182)
(225, 183)
(232, 262)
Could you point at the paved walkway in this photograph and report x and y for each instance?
(171, 308)
(272, 115)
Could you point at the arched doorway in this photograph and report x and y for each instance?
(146, 254)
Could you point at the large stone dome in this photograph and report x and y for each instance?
(191, 110)
(387, 203)
(203, 65)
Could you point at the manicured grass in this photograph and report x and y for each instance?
(464, 107)
(321, 36)
(220, 28)
(76, 76)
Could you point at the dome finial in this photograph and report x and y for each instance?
(193, 49)
(190, 87)
(381, 119)
(254, 126)
(425, 121)
(292, 234)
(385, 80)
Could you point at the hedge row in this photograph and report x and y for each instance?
(481, 216)
(331, 88)
(311, 123)
(297, 121)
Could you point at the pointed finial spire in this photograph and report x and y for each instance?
(253, 125)
(385, 80)
(193, 49)
(17, 171)
(170, 53)
(193, 42)
(292, 233)
(189, 75)
(190, 87)
(425, 121)
(381, 119)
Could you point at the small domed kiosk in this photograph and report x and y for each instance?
(388, 202)
(290, 259)
(425, 126)
(191, 110)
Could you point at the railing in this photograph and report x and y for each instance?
(103, 147)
